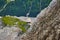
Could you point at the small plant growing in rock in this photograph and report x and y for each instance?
(11, 21)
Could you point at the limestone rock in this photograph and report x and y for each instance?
(1, 24)
(9, 33)
(45, 27)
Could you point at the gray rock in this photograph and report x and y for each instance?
(9, 33)
(1, 24)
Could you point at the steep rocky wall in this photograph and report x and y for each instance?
(47, 24)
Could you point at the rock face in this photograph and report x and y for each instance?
(45, 27)
(9, 33)
(47, 24)
(1, 24)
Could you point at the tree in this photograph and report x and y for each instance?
(8, 1)
(22, 7)
(47, 24)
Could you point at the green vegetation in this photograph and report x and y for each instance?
(11, 21)
(22, 7)
(8, 1)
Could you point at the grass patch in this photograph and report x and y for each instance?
(11, 21)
